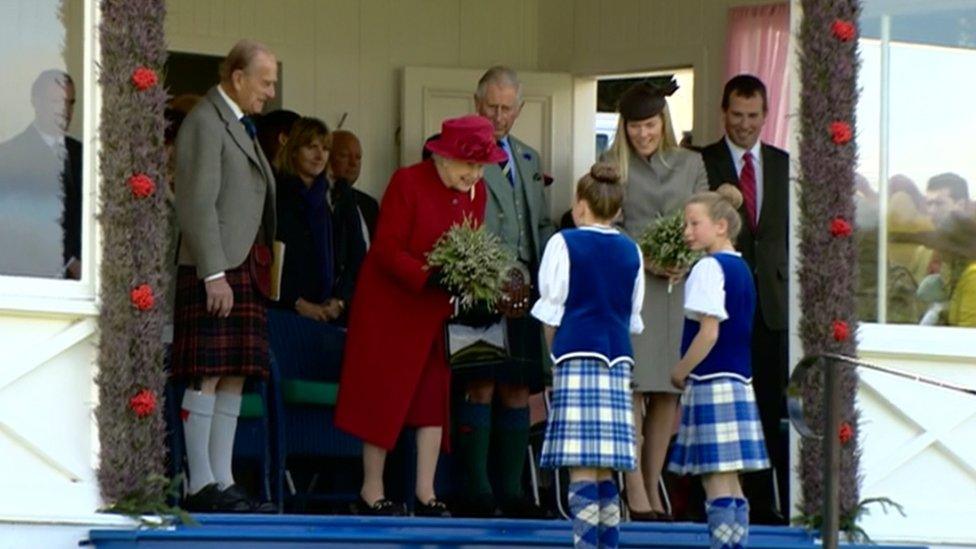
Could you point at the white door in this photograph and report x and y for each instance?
(549, 121)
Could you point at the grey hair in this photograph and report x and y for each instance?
(241, 56)
(502, 76)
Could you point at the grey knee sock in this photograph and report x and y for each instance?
(198, 411)
(226, 410)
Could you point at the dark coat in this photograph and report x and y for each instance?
(300, 275)
(369, 208)
(29, 166)
(350, 246)
(766, 249)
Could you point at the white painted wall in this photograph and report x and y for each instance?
(345, 56)
(604, 37)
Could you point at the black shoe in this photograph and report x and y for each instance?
(433, 508)
(234, 493)
(381, 508)
(524, 508)
(211, 499)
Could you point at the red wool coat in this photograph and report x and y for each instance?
(395, 318)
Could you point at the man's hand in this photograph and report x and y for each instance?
(220, 297)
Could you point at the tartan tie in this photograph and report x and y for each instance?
(747, 184)
(506, 165)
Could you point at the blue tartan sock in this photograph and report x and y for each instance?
(742, 519)
(585, 507)
(609, 531)
(722, 527)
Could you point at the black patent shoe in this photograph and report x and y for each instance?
(380, 508)
(433, 508)
(211, 499)
(234, 493)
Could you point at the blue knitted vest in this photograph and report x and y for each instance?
(596, 320)
(732, 354)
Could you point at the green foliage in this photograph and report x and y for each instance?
(849, 521)
(663, 242)
(473, 262)
(148, 506)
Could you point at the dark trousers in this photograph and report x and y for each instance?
(770, 372)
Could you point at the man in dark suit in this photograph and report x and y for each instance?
(40, 187)
(225, 205)
(345, 163)
(518, 213)
(761, 172)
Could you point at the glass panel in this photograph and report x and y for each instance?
(41, 183)
(919, 59)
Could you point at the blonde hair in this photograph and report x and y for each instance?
(601, 190)
(722, 204)
(303, 131)
(621, 149)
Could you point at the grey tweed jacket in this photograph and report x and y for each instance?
(225, 189)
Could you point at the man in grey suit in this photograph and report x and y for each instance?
(762, 173)
(225, 205)
(518, 212)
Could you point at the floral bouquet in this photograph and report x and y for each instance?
(664, 247)
(473, 263)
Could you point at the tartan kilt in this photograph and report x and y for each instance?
(720, 429)
(207, 346)
(591, 423)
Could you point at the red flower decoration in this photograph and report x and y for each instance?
(845, 433)
(143, 403)
(144, 78)
(142, 297)
(839, 227)
(841, 132)
(184, 414)
(843, 30)
(841, 331)
(141, 185)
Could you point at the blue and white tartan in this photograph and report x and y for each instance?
(591, 423)
(720, 429)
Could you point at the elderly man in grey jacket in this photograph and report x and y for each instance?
(225, 207)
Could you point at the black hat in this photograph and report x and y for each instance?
(644, 100)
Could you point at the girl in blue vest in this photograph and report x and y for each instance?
(720, 434)
(591, 286)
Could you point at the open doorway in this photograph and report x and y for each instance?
(681, 103)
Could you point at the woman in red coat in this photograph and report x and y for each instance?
(395, 371)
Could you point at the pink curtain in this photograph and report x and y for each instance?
(758, 37)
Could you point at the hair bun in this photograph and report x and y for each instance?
(605, 172)
(730, 193)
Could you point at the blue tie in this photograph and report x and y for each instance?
(506, 165)
(248, 122)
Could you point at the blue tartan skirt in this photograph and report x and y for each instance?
(720, 429)
(591, 423)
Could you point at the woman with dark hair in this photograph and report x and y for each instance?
(659, 176)
(305, 222)
(395, 371)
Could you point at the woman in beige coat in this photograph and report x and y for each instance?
(659, 178)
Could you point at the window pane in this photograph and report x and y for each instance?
(928, 168)
(40, 153)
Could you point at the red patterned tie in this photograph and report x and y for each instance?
(747, 184)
